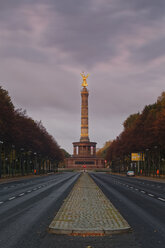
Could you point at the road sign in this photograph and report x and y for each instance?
(137, 156)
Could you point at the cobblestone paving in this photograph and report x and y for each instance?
(87, 211)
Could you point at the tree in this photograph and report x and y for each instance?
(142, 131)
(20, 132)
(6, 116)
(102, 151)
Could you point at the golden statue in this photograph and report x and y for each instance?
(84, 84)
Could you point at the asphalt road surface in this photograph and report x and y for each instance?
(141, 203)
(28, 206)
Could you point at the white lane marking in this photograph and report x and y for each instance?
(29, 191)
(39, 187)
(21, 194)
(136, 189)
(142, 191)
(131, 187)
(161, 199)
(35, 189)
(151, 195)
(11, 198)
(1, 202)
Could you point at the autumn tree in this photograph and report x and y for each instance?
(6, 116)
(18, 132)
(142, 132)
(102, 151)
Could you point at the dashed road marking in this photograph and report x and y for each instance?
(29, 191)
(1, 202)
(151, 195)
(11, 198)
(21, 194)
(142, 191)
(161, 199)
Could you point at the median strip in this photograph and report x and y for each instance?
(87, 211)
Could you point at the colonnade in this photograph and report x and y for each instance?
(84, 150)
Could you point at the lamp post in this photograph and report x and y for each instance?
(155, 161)
(28, 162)
(35, 164)
(1, 142)
(7, 167)
(147, 172)
(162, 166)
(158, 155)
(12, 159)
(22, 165)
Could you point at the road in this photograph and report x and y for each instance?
(142, 204)
(28, 206)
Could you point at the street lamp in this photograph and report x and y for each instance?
(35, 169)
(158, 161)
(22, 165)
(148, 165)
(155, 161)
(12, 159)
(1, 142)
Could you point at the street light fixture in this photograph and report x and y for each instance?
(35, 164)
(21, 160)
(1, 142)
(148, 165)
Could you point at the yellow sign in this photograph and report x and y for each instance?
(137, 156)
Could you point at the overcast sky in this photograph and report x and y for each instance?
(46, 44)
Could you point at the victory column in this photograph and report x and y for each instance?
(84, 151)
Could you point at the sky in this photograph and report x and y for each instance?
(46, 44)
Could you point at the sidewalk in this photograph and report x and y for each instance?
(87, 211)
(17, 178)
(150, 178)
